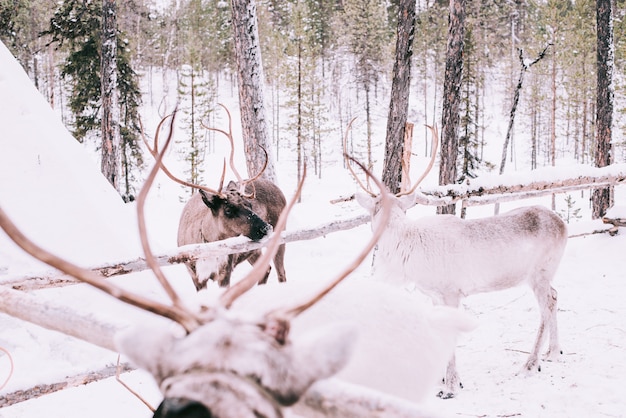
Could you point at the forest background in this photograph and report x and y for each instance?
(324, 62)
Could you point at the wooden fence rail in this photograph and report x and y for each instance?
(487, 190)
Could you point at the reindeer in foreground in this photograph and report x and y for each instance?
(221, 362)
(449, 258)
(247, 207)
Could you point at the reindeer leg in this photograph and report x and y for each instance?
(452, 380)
(554, 349)
(279, 263)
(546, 297)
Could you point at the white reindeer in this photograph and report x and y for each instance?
(449, 258)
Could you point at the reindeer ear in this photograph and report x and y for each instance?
(212, 201)
(407, 201)
(232, 186)
(147, 347)
(322, 352)
(366, 201)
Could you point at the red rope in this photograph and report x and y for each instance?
(10, 368)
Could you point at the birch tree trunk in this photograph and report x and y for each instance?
(451, 97)
(250, 82)
(602, 199)
(111, 157)
(399, 102)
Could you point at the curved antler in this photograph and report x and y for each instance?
(433, 157)
(143, 231)
(176, 312)
(231, 161)
(261, 265)
(286, 314)
(347, 157)
(154, 151)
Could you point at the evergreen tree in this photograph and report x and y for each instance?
(76, 26)
(250, 86)
(468, 127)
(196, 99)
(368, 37)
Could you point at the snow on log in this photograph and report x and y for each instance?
(181, 255)
(57, 317)
(495, 188)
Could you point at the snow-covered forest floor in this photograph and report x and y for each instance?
(54, 191)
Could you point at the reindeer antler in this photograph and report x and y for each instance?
(286, 314)
(428, 168)
(176, 313)
(154, 151)
(229, 135)
(433, 157)
(346, 156)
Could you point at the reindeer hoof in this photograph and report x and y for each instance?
(445, 395)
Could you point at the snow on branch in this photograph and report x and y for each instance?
(501, 188)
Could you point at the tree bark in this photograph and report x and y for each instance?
(399, 102)
(111, 157)
(250, 80)
(451, 97)
(602, 199)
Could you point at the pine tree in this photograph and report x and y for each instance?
(76, 27)
(367, 37)
(468, 126)
(196, 98)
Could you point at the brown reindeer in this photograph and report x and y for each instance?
(247, 207)
(221, 362)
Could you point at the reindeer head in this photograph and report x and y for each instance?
(232, 367)
(233, 215)
(402, 201)
(220, 362)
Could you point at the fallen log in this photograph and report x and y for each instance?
(489, 189)
(616, 222)
(179, 255)
(23, 395)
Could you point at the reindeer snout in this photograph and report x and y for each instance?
(181, 408)
(260, 229)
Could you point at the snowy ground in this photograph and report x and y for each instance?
(53, 191)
